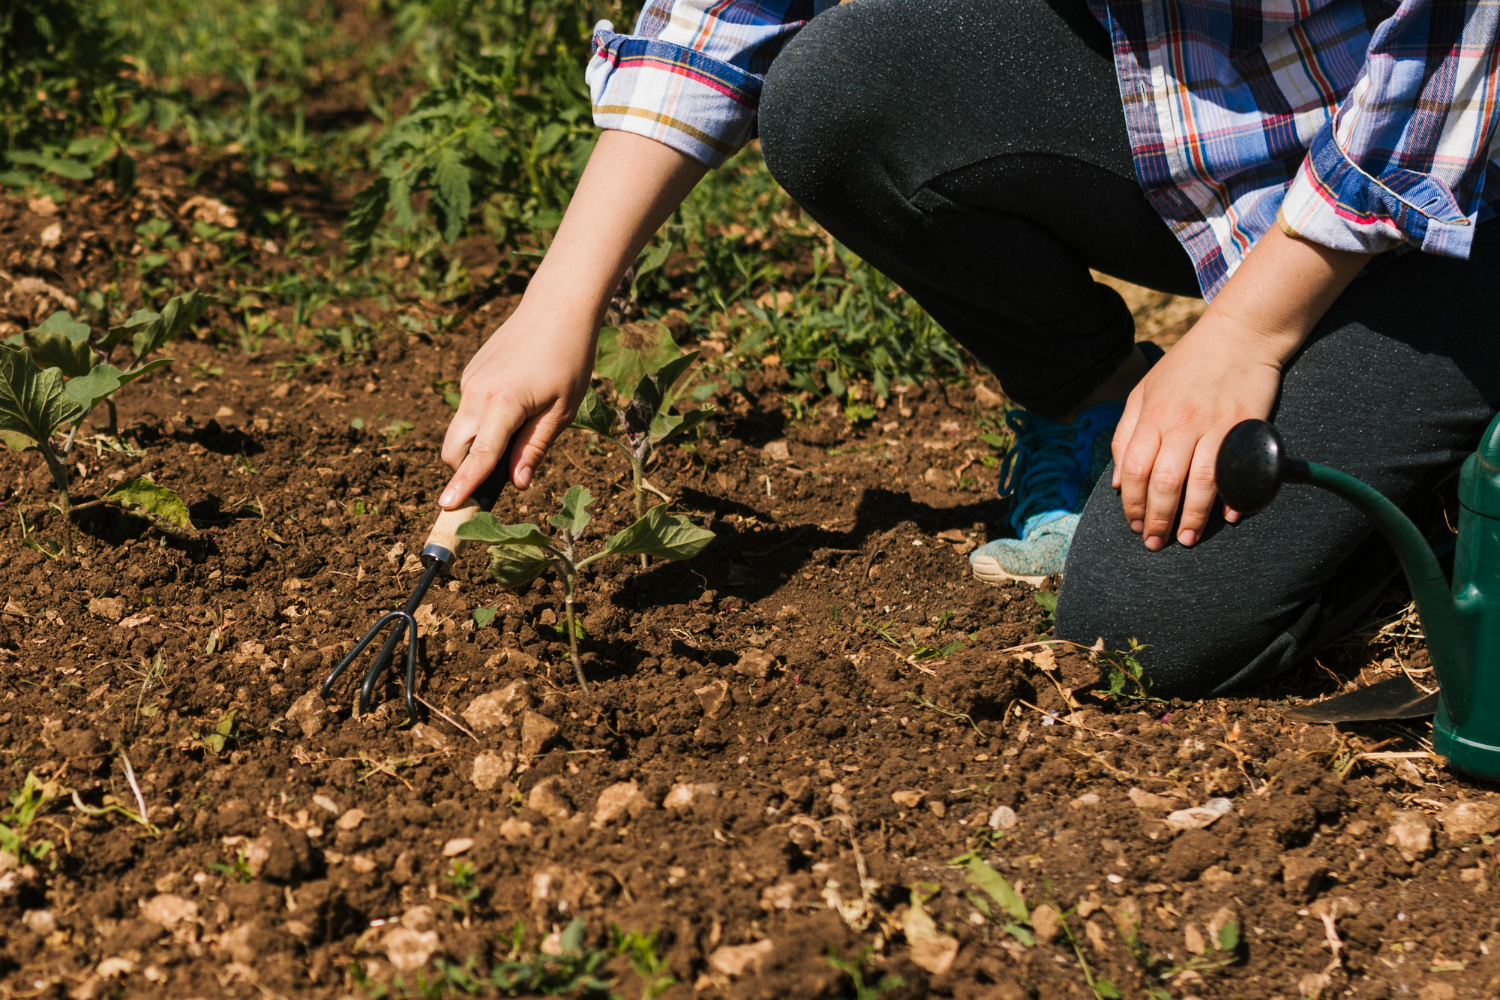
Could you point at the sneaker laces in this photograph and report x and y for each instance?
(1040, 471)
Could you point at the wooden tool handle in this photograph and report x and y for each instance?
(444, 533)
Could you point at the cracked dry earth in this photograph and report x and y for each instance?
(779, 763)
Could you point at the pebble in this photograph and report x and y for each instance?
(491, 768)
(168, 910)
(679, 798)
(909, 799)
(1198, 817)
(498, 709)
(734, 960)
(1003, 818)
(350, 820)
(409, 950)
(326, 804)
(43, 922)
(457, 846)
(1471, 819)
(425, 735)
(755, 663)
(776, 451)
(1046, 923)
(614, 802)
(1149, 802)
(1410, 835)
(715, 698)
(550, 798)
(515, 830)
(537, 734)
(310, 713)
(110, 608)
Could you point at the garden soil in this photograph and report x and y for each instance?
(790, 737)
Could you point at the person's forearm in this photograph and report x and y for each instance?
(1280, 291)
(629, 188)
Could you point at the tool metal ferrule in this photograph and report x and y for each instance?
(441, 553)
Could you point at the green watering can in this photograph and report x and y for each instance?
(1462, 624)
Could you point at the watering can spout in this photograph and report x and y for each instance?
(1252, 465)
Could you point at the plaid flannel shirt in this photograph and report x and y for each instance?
(1358, 124)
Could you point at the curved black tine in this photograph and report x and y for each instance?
(359, 647)
(405, 625)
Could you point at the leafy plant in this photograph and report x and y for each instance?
(574, 969)
(238, 869)
(1014, 915)
(519, 553)
(640, 951)
(216, 739)
(56, 374)
(854, 969)
(1222, 950)
(15, 824)
(644, 423)
(1128, 681)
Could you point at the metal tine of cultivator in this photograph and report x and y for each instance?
(405, 626)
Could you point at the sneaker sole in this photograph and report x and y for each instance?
(995, 576)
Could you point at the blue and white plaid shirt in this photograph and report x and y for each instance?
(1358, 124)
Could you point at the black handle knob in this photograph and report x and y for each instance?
(1252, 466)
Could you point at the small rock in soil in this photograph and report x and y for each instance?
(756, 664)
(1336, 907)
(614, 802)
(1302, 877)
(734, 960)
(515, 830)
(168, 910)
(350, 820)
(1438, 991)
(781, 896)
(1199, 817)
(1046, 923)
(425, 735)
(537, 734)
(41, 922)
(409, 950)
(679, 798)
(279, 855)
(109, 608)
(309, 712)
(491, 768)
(550, 798)
(1003, 818)
(908, 798)
(776, 451)
(715, 698)
(498, 709)
(1410, 835)
(1148, 802)
(457, 846)
(1471, 819)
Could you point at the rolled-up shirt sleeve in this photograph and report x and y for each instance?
(690, 73)
(1406, 154)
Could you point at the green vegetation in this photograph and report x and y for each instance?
(519, 553)
(15, 823)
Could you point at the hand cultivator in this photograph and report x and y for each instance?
(442, 546)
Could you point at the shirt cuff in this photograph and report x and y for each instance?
(1333, 202)
(698, 105)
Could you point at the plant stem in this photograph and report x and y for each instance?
(570, 578)
(60, 477)
(637, 477)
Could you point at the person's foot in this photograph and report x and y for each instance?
(1048, 475)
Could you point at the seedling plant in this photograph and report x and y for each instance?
(15, 823)
(59, 372)
(519, 553)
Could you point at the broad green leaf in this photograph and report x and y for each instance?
(16, 441)
(654, 257)
(992, 882)
(485, 527)
(138, 319)
(32, 401)
(517, 565)
(594, 414)
(641, 411)
(575, 514)
(625, 365)
(659, 534)
(157, 504)
(483, 617)
(450, 177)
(365, 216)
(667, 376)
(671, 427)
(104, 381)
(1229, 936)
(60, 342)
(180, 313)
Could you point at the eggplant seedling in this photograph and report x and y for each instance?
(646, 422)
(55, 374)
(519, 553)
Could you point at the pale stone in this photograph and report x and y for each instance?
(1003, 818)
(111, 608)
(1198, 817)
(781, 896)
(350, 820)
(614, 802)
(409, 950)
(537, 734)
(755, 663)
(776, 451)
(1046, 923)
(715, 698)
(1471, 819)
(457, 846)
(1410, 835)
(679, 798)
(310, 713)
(515, 830)
(549, 797)
(909, 798)
(498, 709)
(168, 910)
(1148, 802)
(734, 960)
(491, 768)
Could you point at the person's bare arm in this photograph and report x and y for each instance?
(1227, 368)
(521, 389)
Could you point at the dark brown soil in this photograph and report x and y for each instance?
(798, 769)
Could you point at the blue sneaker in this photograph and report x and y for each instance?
(1048, 474)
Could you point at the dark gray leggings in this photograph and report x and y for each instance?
(975, 150)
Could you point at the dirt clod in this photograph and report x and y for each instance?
(1410, 834)
(309, 712)
(537, 734)
(1302, 877)
(741, 959)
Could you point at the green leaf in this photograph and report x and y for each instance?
(450, 176)
(1106, 990)
(659, 534)
(60, 342)
(483, 617)
(32, 401)
(670, 427)
(992, 882)
(364, 217)
(517, 565)
(138, 319)
(667, 376)
(16, 441)
(1046, 600)
(1229, 936)
(624, 365)
(484, 527)
(104, 381)
(575, 514)
(1020, 933)
(157, 504)
(594, 414)
(180, 313)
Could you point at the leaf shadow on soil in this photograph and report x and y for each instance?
(753, 565)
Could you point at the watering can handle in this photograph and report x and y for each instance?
(442, 541)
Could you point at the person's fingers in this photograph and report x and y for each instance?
(1198, 498)
(1135, 471)
(460, 432)
(485, 449)
(1231, 515)
(531, 442)
(1164, 489)
(1124, 430)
